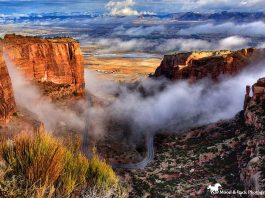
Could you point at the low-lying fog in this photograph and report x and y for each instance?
(158, 106)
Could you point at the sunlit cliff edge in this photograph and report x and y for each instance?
(55, 64)
(54, 60)
(197, 65)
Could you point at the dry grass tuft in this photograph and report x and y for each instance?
(37, 157)
(101, 174)
(39, 165)
(74, 173)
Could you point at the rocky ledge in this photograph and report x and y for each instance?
(197, 65)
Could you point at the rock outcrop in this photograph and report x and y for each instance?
(252, 159)
(56, 61)
(255, 106)
(197, 65)
(7, 100)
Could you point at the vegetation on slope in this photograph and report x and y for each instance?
(40, 165)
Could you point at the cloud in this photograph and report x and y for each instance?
(261, 45)
(178, 106)
(246, 29)
(123, 8)
(139, 31)
(129, 7)
(119, 45)
(233, 42)
(183, 45)
(170, 45)
(218, 5)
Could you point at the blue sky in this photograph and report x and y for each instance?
(48, 6)
(155, 6)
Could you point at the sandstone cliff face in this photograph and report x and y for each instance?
(58, 61)
(7, 100)
(197, 65)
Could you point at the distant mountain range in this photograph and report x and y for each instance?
(218, 17)
(187, 16)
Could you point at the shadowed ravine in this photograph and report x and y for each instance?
(140, 165)
(88, 153)
(85, 143)
(149, 157)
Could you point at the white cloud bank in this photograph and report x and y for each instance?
(139, 31)
(218, 5)
(123, 8)
(248, 29)
(167, 45)
(179, 106)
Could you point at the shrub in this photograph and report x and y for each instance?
(74, 173)
(39, 158)
(39, 165)
(15, 114)
(101, 174)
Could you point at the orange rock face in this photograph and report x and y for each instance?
(7, 100)
(197, 65)
(57, 60)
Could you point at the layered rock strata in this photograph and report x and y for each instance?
(197, 65)
(7, 100)
(57, 61)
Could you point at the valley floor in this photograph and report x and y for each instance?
(185, 165)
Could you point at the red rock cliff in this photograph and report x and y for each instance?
(57, 61)
(197, 65)
(7, 100)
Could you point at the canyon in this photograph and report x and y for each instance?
(56, 66)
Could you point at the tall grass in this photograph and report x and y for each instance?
(74, 173)
(48, 168)
(39, 158)
(101, 174)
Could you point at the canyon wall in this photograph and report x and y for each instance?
(252, 159)
(255, 105)
(7, 100)
(197, 65)
(56, 64)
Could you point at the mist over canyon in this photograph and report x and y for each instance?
(130, 98)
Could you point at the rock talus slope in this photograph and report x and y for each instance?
(57, 61)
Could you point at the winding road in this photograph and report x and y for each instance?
(141, 165)
(85, 142)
